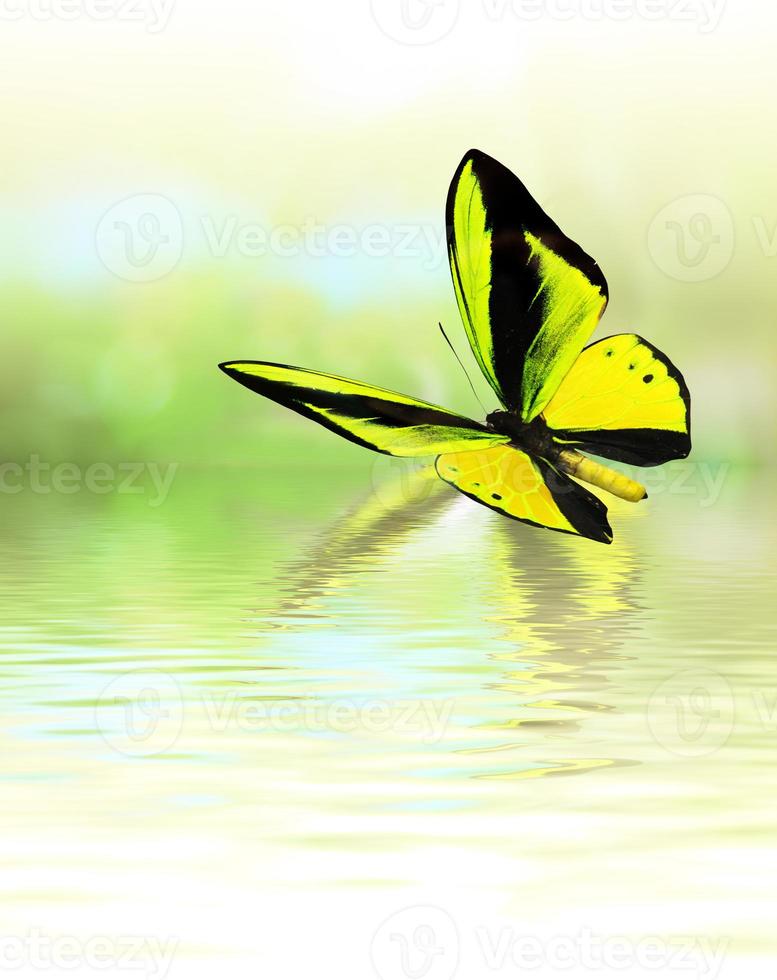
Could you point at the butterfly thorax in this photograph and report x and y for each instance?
(533, 437)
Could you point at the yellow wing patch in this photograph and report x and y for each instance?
(509, 481)
(618, 382)
(623, 399)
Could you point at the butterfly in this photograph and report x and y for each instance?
(529, 299)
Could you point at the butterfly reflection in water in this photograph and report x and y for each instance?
(530, 299)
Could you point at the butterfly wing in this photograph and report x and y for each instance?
(528, 295)
(513, 483)
(373, 417)
(625, 400)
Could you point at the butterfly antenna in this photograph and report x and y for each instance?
(448, 342)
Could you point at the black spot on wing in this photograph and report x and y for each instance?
(640, 447)
(591, 514)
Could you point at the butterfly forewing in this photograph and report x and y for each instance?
(372, 417)
(528, 295)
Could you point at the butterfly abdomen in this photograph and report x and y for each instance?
(536, 439)
(589, 471)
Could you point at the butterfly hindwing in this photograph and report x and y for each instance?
(528, 295)
(531, 490)
(373, 417)
(625, 400)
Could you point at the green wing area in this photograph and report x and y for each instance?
(385, 421)
(528, 295)
(625, 400)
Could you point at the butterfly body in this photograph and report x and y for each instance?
(536, 439)
(529, 298)
(533, 437)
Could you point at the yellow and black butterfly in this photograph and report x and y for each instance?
(530, 299)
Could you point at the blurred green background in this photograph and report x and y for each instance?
(270, 184)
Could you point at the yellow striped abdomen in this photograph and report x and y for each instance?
(580, 466)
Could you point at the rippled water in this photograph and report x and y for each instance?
(287, 725)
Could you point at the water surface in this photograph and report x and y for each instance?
(347, 723)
